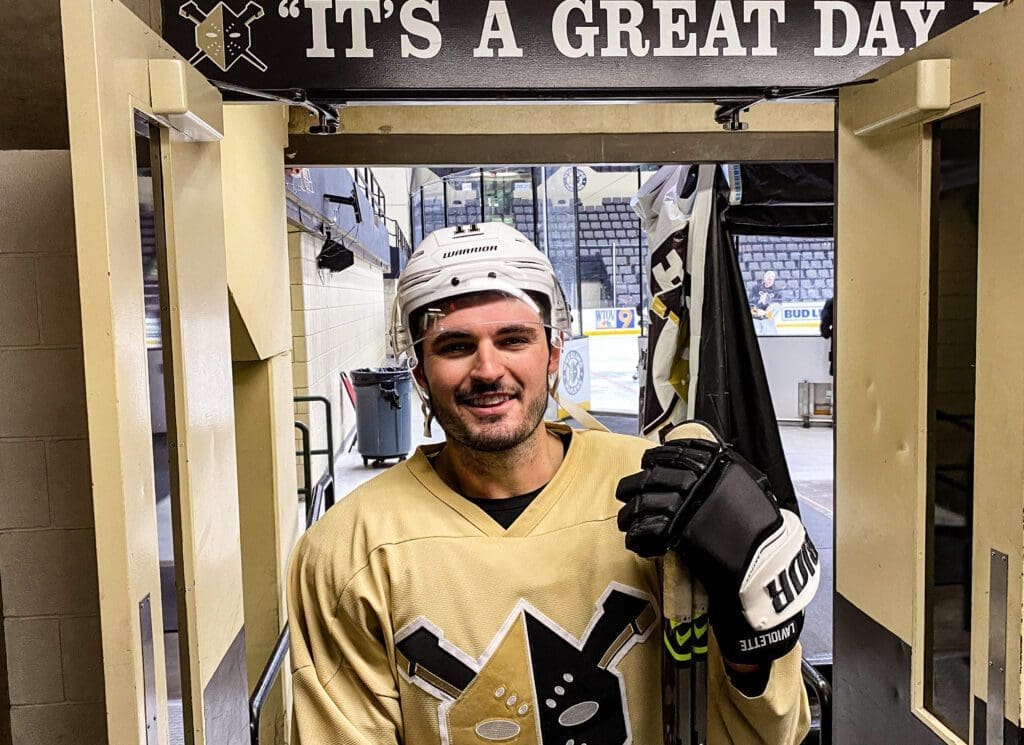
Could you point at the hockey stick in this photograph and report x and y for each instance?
(685, 614)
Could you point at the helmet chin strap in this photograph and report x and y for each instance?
(428, 417)
(574, 410)
(428, 413)
(580, 414)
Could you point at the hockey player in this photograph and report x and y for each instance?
(480, 592)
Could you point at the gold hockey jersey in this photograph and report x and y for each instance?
(416, 619)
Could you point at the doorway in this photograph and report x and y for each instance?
(952, 352)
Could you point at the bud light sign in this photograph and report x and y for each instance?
(799, 318)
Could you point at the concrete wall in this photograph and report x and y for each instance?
(396, 183)
(338, 324)
(789, 360)
(32, 71)
(52, 670)
(51, 666)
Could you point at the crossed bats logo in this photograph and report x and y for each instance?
(536, 684)
(222, 35)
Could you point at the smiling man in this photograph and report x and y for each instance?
(481, 591)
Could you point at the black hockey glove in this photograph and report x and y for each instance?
(758, 565)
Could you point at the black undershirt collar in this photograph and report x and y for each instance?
(506, 511)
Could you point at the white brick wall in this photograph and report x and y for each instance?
(338, 324)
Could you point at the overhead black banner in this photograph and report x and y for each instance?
(421, 48)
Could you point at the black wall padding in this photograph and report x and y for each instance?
(808, 221)
(788, 183)
(871, 696)
(785, 199)
(1012, 734)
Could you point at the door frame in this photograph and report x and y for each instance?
(882, 418)
(115, 66)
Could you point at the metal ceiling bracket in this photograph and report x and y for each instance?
(326, 114)
(728, 113)
(327, 121)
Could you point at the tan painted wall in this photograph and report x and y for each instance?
(878, 396)
(50, 604)
(338, 322)
(881, 418)
(496, 134)
(111, 299)
(254, 222)
(257, 273)
(268, 515)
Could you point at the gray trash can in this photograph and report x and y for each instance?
(383, 413)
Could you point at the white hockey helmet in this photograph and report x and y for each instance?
(487, 257)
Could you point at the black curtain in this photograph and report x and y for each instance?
(732, 388)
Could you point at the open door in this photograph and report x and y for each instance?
(929, 404)
(145, 130)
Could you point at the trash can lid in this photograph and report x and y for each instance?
(375, 375)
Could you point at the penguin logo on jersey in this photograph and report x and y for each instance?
(535, 684)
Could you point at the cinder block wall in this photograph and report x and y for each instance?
(338, 324)
(52, 669)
